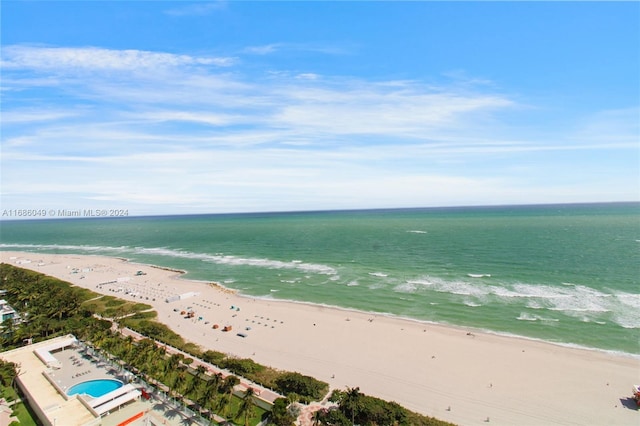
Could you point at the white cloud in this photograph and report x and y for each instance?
(308, 76)
(325, 49)
(209, 140)
(372, 111)
(92, 58)
(203, 117)
(34, 115)
(262, 50)
(198, 9)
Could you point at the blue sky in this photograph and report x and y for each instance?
(210, 107)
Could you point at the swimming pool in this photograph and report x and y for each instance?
(95, 388)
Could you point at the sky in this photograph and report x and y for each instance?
(160, 107)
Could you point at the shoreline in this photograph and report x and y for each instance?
(181, 273)
(425, 323)
(223, 288)
(459, 374)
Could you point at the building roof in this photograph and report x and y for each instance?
(40, 392)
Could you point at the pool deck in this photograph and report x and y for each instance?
(77, 365)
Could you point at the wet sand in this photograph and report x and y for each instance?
(466, 377)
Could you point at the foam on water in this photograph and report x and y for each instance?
(477, 267)
(439, 285)
(527, 317)
(524, 316)
(82, 248)
(177, 253)
(577, 301)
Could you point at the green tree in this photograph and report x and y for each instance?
(227, 388)
(352, 403)
(306, 386)
(247, 407)
(8, 372)
(335, 417)
(318, 417)
(201, 396)
(171, 364)
(210, 392)
(201, 369)
(280, 416)
(181, 380)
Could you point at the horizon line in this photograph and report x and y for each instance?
(285, 212)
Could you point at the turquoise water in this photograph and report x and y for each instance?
(564, 273)
(95, 388)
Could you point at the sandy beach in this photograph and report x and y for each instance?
(463, 376)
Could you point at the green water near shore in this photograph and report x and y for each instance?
(565, 273)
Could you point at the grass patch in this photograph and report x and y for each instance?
(234, 407)
(24, 415)
(20, 410)
(110, 306)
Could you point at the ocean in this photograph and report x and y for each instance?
(568, 274)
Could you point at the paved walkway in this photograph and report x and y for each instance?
(307, 411)
(6, 410)
(261, 392)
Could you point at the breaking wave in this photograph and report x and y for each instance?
(220, 259)
(577, 301)
(529, 317)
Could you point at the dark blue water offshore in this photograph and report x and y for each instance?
(561, 273)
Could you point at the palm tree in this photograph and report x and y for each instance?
(171, 381)
(216, 380)
(181, 379)
(17, 372)
(352, 402)
(190, 385)
(211, 390)
(174, 361)
(318, 416)
(43, 324)
(201, 369)
(147, 359)
(247, 407)
(223, 404)
(26, 331)
(227, 388)
(201, 395)
(129, 355)
(26, 295)
(9, 329)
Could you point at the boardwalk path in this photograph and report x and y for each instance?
(261, 392)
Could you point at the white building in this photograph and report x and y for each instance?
(6, 311)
